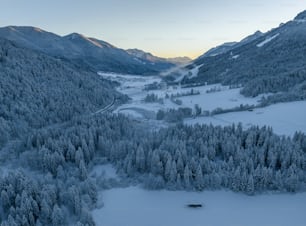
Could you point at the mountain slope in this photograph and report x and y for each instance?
(225, 47)
(89, 52)
(37, 90)
(272, 62)
(219, 49)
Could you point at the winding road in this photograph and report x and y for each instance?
(106, 108)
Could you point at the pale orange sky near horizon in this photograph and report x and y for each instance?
(166, 28)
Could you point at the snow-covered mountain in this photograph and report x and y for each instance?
(38, 90)
(269, 62)
(219, 49)
(87, 52)
(158, 61)
(225, 47)
(179, 60)
(66, 147)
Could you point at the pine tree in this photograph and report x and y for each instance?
(82, 170)
(236, 181)
(292, 179)
(250, 186)
(173, 173)
(57, 216)
(187, 177)
(140, 159)
(180, 164)
(79, 155)
(199, 183)
(5, 201)
(46, 212)
(168, 169)
(156, 164)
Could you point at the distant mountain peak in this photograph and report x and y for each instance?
(227, 46)
(12, 28)
(25, 28)
(180, 60)
(38, 29)
(86, 52)
(139, 53)
(301, 16)
(251, 37)
(77, 36)
(150, 57)
(258, 32)
(74, 35)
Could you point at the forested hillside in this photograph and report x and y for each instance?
(37, 90)
(97, 55)
(176, 158)
(272, 62)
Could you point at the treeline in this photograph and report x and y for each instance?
(181, 157)
(174, 115)
(207, 157)
(153, 98)
(274, 84)
(190, 92)
(53, 186)
(178, 115)
(273, 162)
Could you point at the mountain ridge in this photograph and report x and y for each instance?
(37, 90)
(82, 50)
(270, 63)
(227, 46)
(149, 56)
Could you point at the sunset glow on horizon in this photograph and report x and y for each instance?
(165, 28)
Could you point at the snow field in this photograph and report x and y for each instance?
(134, 206)
(284, 118)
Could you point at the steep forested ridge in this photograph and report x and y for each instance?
(89, 52)
(37, 90)
(272, 62)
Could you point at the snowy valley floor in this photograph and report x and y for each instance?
(284, 118)
(134, 206)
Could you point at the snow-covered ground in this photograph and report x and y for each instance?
(107, 171)
(133, 86)
(226, 98)
(284, 118)
(134, 206)
(267, 40)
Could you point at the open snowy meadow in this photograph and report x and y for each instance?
(284, 118)
(134, 206)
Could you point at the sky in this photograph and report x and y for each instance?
(166, 28)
